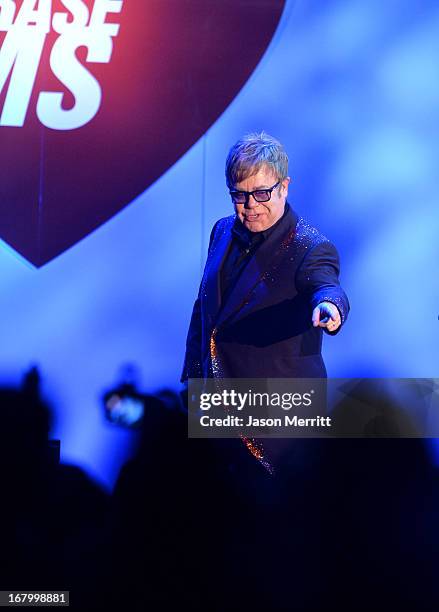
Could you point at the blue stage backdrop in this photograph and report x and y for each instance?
(116, 118)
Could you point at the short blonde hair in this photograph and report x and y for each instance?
(251, 153)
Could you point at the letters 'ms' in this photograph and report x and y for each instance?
(21, 52)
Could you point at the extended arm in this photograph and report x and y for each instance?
(318, 277)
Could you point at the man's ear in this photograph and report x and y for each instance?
(285, 184)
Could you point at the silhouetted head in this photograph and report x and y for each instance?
(24, 427)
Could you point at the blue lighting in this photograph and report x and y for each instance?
(351, 89)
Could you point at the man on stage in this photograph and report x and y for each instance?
(269, 289)
(270, 285)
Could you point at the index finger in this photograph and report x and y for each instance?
(316, 316)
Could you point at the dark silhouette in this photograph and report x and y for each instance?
(201, 524)
(52, 516)
(343, 522)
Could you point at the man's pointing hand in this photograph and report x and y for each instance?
(326, 315)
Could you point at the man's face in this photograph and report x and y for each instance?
(259, 216)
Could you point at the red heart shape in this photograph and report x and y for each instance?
(175, 66)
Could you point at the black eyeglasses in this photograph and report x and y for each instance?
(259, 195)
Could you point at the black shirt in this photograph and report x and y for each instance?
(244, 245)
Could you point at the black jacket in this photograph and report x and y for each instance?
(264, 328)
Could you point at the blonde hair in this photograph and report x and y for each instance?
(251, 153)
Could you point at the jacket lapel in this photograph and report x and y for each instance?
(258, 268)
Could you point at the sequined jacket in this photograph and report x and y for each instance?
(264, 328)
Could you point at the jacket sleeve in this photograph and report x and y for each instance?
(192, 358)
(192, 367)
(317, 276)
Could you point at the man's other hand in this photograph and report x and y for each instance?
(326, 315)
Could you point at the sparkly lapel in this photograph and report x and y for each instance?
(264, 262)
